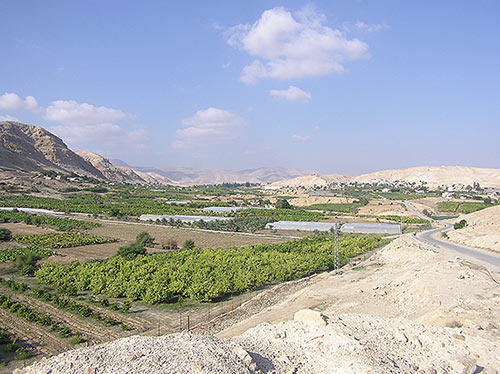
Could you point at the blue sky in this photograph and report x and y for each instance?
(330, 86)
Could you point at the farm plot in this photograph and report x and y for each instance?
(203, 239)
(62, 240)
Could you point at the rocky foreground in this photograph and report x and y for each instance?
(311, 343)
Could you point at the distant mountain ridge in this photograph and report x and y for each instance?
(29, 148)
(194, 176)
(431, 176)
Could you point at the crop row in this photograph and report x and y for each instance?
(62, 240)
(14, 285)
(10, 254)
(204, 274)
(281, 214)
(59, 223)
(66, 304)
(30, 315)
(74, 307)
(9, 344)
(114, 205)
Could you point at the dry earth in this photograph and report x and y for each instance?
(307, 200)
(384, 208)
(482, 231)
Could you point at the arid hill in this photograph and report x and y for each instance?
(431, 176)
(197, 176)
(121, 174)
(437, 175)
(30, 149)
(482, 230)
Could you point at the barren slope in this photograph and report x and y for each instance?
(432, 176)
(437, 175)
(120, 174)
(32, 148)
(482, 231)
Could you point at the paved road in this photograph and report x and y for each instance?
(484, 256)
(416, 212)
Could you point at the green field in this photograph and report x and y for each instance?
(59, 223)
(204, 274)
(62, 240)
(462, 207)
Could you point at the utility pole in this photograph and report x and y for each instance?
(336, 259)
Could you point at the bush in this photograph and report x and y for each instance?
(283, 204)
(5, 235)
(145, 240)
(77, 339)
(188, 245)
(26, 263)
(131, 251)
(460, 225)
(22, 354)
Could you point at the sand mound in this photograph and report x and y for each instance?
(483, 230)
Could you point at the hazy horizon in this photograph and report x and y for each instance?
(349, 87)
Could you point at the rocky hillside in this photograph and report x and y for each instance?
(32, 148)
(430, 176)
(27, 148)
(311, 343)
(121, 174)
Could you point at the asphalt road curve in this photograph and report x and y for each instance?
(488, 257)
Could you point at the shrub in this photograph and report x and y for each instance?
(283, 204)
(26, 263)
(5, 235)
(144, 239)
(131, 251)
(188, 244)
(77, 339)
(22, 353)
(460, 225)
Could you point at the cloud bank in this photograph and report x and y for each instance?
(286, 46)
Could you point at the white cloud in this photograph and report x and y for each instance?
(8, 118)
(300, 138)
(361, 26)
(11, 101)
(73, 113)
(287, 47)
(208, 126)
(292, 94)
(84, 125)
